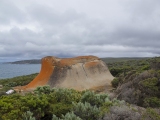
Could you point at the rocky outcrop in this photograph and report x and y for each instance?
(80, 73)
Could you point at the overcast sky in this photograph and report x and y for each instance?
(32, 29)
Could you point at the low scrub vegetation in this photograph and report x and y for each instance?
(55, 104)
(16, 81)
(138, 81)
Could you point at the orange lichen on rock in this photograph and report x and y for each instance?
(80, 59)
(43, 77)
(90, 64)
(80, 73)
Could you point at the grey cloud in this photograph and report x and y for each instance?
(49, 16)
(105, 29)
(137, 38)
(10, 13)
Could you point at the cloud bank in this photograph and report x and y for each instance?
(107, 28)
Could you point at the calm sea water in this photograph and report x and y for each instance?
(13, 70)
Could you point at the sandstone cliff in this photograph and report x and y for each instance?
(80, 73)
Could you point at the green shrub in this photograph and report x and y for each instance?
(152, 102)
(43, 90)
(2, 93)
(151, 83)
(116, 71)
(151, 114)
(145, 67)
(108, 103)
(60, 108)
(115, 82)
(85, 111)
(54, 117)
(93, 98)
(68, 116)
(18, 81)
(28, 116)
(10, 107)
(66, 95)
(105, 107)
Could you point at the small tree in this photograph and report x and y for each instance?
(85, 111)
(28, 116)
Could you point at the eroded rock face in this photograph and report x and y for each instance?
(80, 73)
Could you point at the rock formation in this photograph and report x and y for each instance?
(80, 73)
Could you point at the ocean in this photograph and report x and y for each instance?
(13, 70)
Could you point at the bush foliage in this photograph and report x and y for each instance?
(8, 83)
(57, 102)
(139, 80)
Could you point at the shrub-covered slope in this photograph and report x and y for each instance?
(8, 83)
(68, 104)
(46, 103)
(138, 81)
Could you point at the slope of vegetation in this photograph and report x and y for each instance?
(68, 104)
(16, 81)
(122, 59)
(57, 103)
(137, 81)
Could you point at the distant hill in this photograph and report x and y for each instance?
(107, 60)
(122, 59)
(33, 61)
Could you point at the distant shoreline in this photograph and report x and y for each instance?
(34, 61)
(107, 60)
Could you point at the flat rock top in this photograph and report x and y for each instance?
(68, 61)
